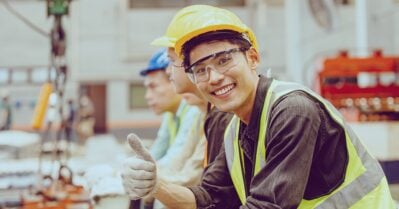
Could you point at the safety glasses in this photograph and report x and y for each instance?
(220, 62)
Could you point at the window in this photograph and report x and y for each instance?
(136, 96)
(182, 3)
(4, 76)
(31, 75)
(19, 76)
(42, 74)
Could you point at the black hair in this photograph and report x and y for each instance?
(230, 36)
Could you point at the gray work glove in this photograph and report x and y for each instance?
(139, 173)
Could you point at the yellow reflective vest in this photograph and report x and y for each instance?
(174, 123)
(364, 186)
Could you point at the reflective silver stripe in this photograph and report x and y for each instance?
(262, 158)
(229, 142)
(233, 158)
(263, 136)
(363, 184)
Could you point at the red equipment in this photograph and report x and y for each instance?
(368, 85)
(61, 194)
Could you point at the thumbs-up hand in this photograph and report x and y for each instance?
(139, 173)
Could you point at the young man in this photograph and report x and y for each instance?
(175, 143)
(178, 116)
(214, 117)
(286, 147)
(189, 160)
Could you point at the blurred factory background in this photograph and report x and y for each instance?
(347, 50)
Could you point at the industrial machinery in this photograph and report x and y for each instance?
(60, 194)
(23, 192)
(27, 190)
(363, 88)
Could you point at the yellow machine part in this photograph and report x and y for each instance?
(41, 106)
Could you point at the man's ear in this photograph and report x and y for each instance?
(253, 58)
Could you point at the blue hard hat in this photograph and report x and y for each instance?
(158, 61)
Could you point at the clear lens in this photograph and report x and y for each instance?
(220, 62)
(191, 77)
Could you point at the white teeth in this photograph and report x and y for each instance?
(224, 90)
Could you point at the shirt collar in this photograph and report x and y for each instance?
(182, 106)
(252, 130)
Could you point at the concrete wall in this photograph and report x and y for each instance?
(19, 44)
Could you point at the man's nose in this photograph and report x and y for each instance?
(147, 95)
(214, 75)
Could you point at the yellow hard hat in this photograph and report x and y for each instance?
(174, 30)
(195, 20)
(208, 20)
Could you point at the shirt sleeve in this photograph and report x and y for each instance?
(190, 170)
(161, 143)
(291, 138)
(216, 190)
(186, 125)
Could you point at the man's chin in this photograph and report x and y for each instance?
(156, 111)
(224, 107)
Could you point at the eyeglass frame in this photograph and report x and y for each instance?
(230, 51)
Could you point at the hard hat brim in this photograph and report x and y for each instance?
(164, 41)
(147, 71)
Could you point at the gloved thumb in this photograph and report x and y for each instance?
(138, 147)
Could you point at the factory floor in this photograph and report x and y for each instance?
(103, 149)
